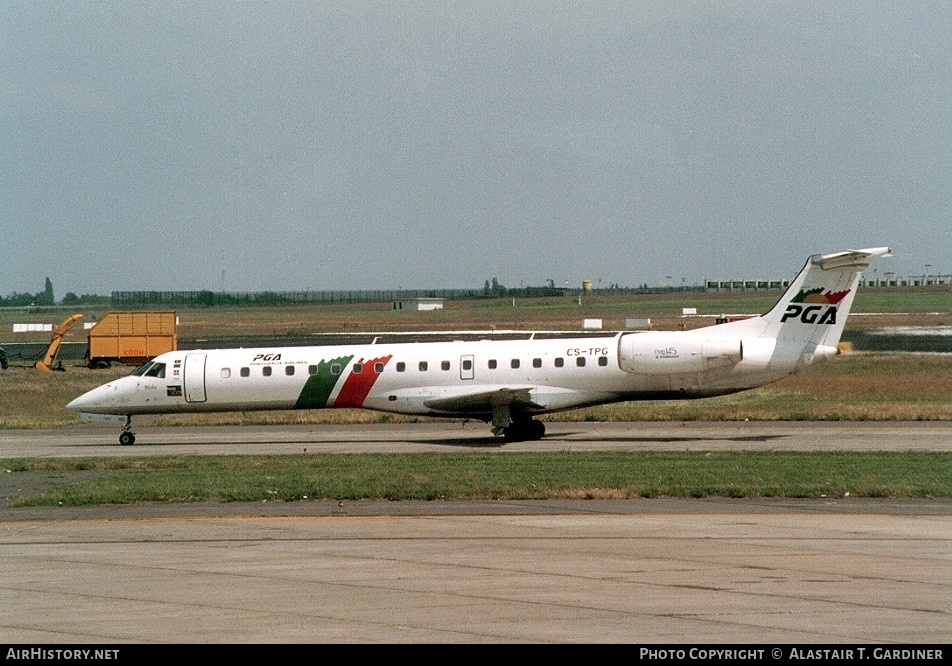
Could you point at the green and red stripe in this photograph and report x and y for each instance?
(319, 387)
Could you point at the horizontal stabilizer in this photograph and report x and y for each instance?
(857, 259)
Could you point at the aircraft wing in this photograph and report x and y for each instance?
(483, 401)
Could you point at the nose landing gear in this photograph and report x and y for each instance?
(127, 437)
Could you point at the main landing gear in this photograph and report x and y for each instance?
(515, 427)
(127, 437)
(524, 430)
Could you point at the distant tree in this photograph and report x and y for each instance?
(206, 298)
(86, 299)
(44, 297)
(18, 300)
(498, 289)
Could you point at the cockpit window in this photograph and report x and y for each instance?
(157, 370)
(142, 369)
(150, 369)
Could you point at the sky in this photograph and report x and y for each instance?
(252, 146)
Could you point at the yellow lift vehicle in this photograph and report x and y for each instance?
(49, 361)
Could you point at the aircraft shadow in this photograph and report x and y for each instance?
(492, 442)
(479, 442)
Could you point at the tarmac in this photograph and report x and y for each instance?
(839, 570)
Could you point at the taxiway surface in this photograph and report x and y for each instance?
(660, 571)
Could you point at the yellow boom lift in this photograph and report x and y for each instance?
(52, 351)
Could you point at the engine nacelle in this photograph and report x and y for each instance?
(656, 353)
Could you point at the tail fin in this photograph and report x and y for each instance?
(811, 314)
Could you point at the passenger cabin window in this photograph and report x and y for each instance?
(245, 372)
(225, 373)
(266, 371)
(445, 365)
(492, 364)
(335, 368)
(358, 368)
(603, 360)
(378, 368)
(514, 363)
(401, 366)
(580, 361)
(537, 363)
(467, 364)
(312, 369)
(559, 361)
(289, 370)
(423, 366)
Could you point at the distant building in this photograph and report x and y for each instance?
(892, 280)
(888, 280)
(419, 304)
(746, 285)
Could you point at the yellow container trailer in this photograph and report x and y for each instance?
(131, 338)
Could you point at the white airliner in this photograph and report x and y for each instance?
(506, 382)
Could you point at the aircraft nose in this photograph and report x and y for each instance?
(82, 403)
(77, 404)
(97, 401)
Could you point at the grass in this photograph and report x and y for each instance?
(852, 387)
(431, 476)
(911, 306)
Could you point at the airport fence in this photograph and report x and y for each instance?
(125, 299)
(152, 299)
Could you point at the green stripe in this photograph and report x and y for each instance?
(318, 388)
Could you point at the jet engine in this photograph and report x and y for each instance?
(656, 353)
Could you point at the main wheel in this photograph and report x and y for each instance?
(536, 429)
(521, 431)
(127, 439)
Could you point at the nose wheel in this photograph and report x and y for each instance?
(127, 437)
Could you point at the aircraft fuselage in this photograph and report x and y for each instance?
(506, 381)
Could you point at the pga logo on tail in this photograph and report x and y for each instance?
(810, 314)
(814, 307)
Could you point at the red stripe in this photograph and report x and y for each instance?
(357, 386)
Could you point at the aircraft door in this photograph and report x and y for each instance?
(194, 376)
(466, 366)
